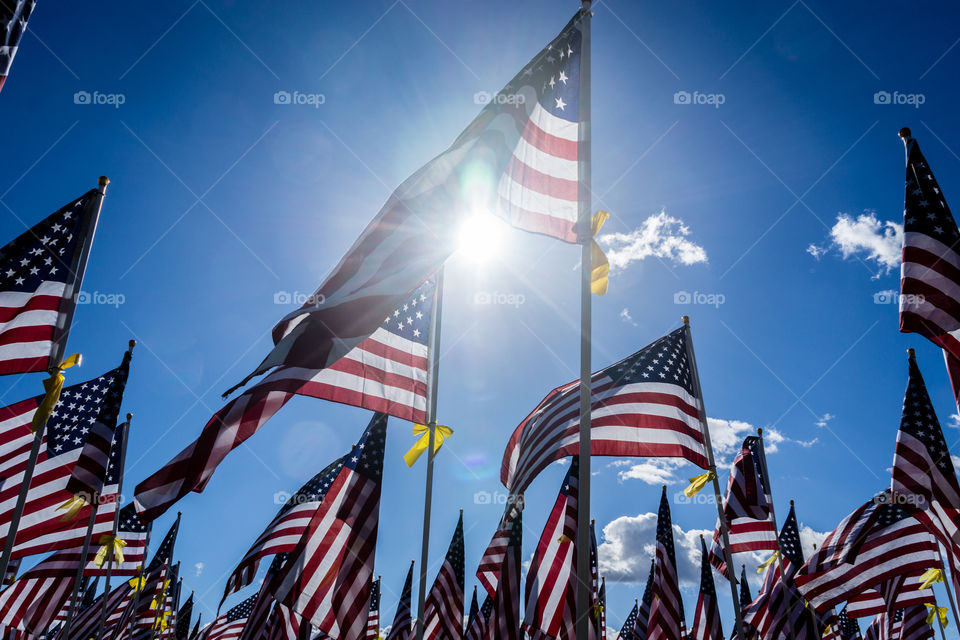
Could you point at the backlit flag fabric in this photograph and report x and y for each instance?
(666, 611)
(477, 629)
(443, 608)
(519, 159)
(387, 373)
(644, 405)
(13, 22)
(488, 571)
(37, 280)
(401, 628)
(373, 615)
(504, 622)
(230, 625)
(706, 619)
(32, 603)
(643, 613)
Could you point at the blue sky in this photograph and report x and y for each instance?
(765, 199)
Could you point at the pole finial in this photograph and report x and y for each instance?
(103, 181)
(685, 319)
(664, 489)
(791, 503)
(129, 417)
(131, 344)
(905, 133)
(759, 431)
(911, 353)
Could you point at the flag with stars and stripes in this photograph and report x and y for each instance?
(230, 625)
(477, 629)
(286, 528)
(443, 608)
(602, 603)
(328, 575)
(38, 282)
(488, 570)
(930, 270)
(746, 507)
(474, 608)
(848, 627)
(627, 630)
(32, 603)
(13, 23)
(666, 612)
(387, 373)
(155, 581)
(867, 548)
(551, 589)
(505, 620)
(373, 612)
(644, 405)
(525, 145)
(73, 460)
(261, 618)
(182, 628)
(402, 629)
(643, 613)
(706, 619)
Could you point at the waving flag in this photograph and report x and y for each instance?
(229, 626)
(443, 608)
(477, 629)
(627, 630)
(182, 628)
(373, 615)
(13, 22)
(327, 577)
(914, 624)
(387, 372)
(666, 612)
(32, 603)
(401, 629)
(643, 613)
(504, 622)
(488, 571)
(644, 405)
(706, 619)
(524, 144)
(848, 627)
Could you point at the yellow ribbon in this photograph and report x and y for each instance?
(155, 603)
(161, 622)
(826, 631)
(599, 266)
(698, 482)
(769, 561)
(930, 577)
(563, 538)
(440, 433)
(72, 507)
(52, 385)
(597, 610)
(109, 542)
(137, 583)
(936, 612)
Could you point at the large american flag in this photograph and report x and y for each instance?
(401, 629)
(746, 507)
(387, 373)
(285, 530)
(373, 613)
(13, 22)
(443, 608)
(551, 590)
(38, 282)
(73, 457)
(504, 621)
(488, 570)
(477, 629)
(327, 577)
(706, 619)
(666, 611)
(525, 140)
(644, 405)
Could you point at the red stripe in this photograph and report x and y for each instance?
(529, 178)
(549, 143)
(36, 302)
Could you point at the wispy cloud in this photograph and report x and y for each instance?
(626, 317)
(660, 236)
(866, 237)
(199, 567)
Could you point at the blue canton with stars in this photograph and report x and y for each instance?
(366, 457)
(925, 209)
(375, 596)
(626, 631)
(554, 74)
(665, 528)
(242, 611)
(46, 251)
(920, 421)
(315, 489)
(412, 319)
(648, 591)
(662, 361)
(164, 552)
(706, 573)
(130, 522)
(790, 540)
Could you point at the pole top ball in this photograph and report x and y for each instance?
(911, 352)
(685, 319)
(904, 133)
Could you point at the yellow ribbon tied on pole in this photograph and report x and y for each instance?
(599, 266)
(109, 543)
(52, 385)
(137, 583)
(72, 508)
(155, 603)
(440, 433)
(698, 482)
(769, 561)
(930, 577)
(936, 612)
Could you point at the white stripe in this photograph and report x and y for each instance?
(554, 125)
(529, 200)
(931, 245)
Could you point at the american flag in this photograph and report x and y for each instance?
(848, 627)
(474, 608)
(286, 528)
(443, 608)
(644, 405)
(866, 549)
(85, 624)
(526, 139)
(914, 624)
(897, 593)
(706, 620)
(505, 620)
(643, 613)
(602, 602)
(73, 457)
(477, 629)
(373, 614)
(327, 577)
(746, 507)
(745, 597)
(387, 373)
(230, 625)
(626, 631)
(260, 618)
(551, 590)
(401, 629)
(286, 625)
(38, 281)
(155, 582)
(488, 571)
(666, 612)
(182, 629)
(13, 22)
(32, 603)
(930, 271)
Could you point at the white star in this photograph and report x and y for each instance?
(561, 104)
(552, 82)
(563, 77)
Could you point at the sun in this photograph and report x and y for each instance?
(481, 235)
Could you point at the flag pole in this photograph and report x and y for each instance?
(431, 416)
(78, 268)
(584, 177)
(712, 468)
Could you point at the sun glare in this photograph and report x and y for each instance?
(480, 237)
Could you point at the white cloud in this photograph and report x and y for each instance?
(659, 236)
(954, 421)
(810, 540)
(199, 567)
(628, 546)
(824, 420)
(816, 251)
(878, 241)
(655, 471)
(626, 317)
(956, 461)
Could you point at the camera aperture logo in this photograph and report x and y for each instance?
(696, 97)
(299, 298)
(96, 98)
(102, 298)
(895, 97)
(299, 98)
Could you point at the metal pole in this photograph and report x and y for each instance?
(585, 206)
(78, 268)
(431, 429)
(712, 467)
